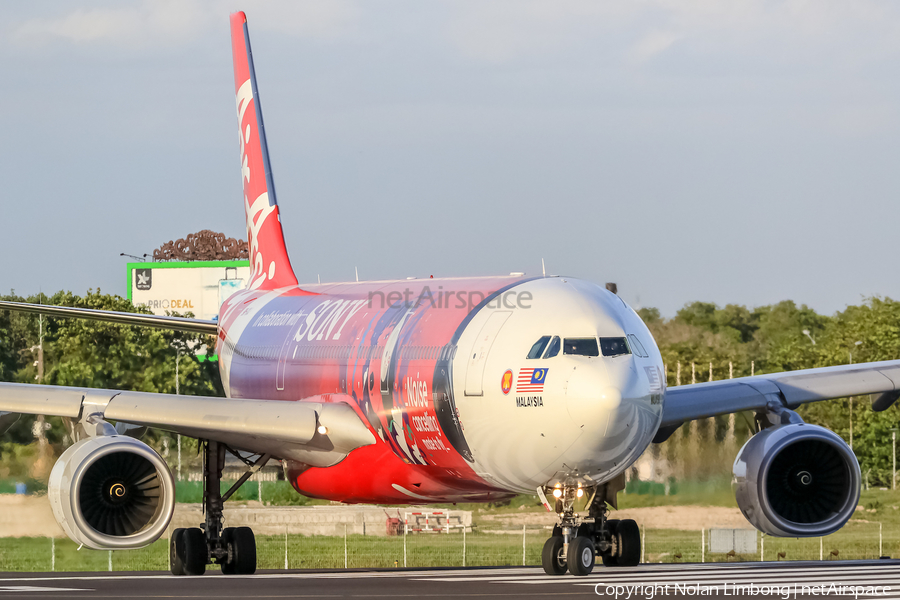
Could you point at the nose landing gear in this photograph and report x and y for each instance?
(578, 539)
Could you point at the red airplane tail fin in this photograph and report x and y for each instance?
(269, 262)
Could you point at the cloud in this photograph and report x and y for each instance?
(653, 44)
(130, 26)
(502, 30)
(505, 30)
(311, 19)
(148, 22)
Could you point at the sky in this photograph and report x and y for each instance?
(730, 152)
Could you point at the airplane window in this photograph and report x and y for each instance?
(581, 347)
(553, 348)
(614, 346)
(538, 347)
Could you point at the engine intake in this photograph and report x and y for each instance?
(112, 492)
(797, 480)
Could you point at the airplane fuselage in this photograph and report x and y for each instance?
(438, 369)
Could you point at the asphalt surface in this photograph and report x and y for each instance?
(785, 581)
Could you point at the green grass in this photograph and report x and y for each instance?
(303, 552)
(855, 541)
(276, 493)
(37, 554)
(715, 492)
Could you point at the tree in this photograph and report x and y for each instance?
(96, 354)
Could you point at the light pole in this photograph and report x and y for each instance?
(177, 389)
(807, 334)
(894, 459)
(40, 427)
(857, 344)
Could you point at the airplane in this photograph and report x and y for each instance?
(428, 391)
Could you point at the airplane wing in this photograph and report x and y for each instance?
(111, 316)
(789, 389)
(283, 429)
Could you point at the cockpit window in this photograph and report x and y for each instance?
(636, 346)
(538, 347)
(581, 347)
(553, 348)
(614, 346)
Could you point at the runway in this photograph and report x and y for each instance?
(859, 579)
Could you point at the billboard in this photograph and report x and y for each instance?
(198, 287)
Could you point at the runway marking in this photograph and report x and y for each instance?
(36, 588)
(882, 573)
(720, 578)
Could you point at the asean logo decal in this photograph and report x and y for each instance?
(506, 382)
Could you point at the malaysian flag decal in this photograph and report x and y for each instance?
(531, 380)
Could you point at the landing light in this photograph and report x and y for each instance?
(557, 493)
(322, 429)
(579, 493)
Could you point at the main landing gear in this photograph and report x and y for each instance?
(232, 548)
(578, 540)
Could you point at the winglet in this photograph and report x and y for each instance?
(270, 265)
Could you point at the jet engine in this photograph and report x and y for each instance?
(112, 492)
(797, 480)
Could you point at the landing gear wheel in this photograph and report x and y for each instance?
(243, 544)
(629, 543)
(228, 565)
(196, 553)
(552, 558)
(611, 559)
(176, 551)
(580, 557)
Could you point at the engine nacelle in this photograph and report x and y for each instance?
(112, 492)
(797, 480)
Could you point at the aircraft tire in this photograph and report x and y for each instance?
(612, 559)
(629, 543)
(552, 558)
(176, 551)
(195, 551)
(581, 556)
(244, 543)
(227, 539)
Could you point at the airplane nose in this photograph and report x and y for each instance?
(602, 406)
(591, 398)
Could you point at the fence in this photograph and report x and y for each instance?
(459, 548)
(296, 551)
